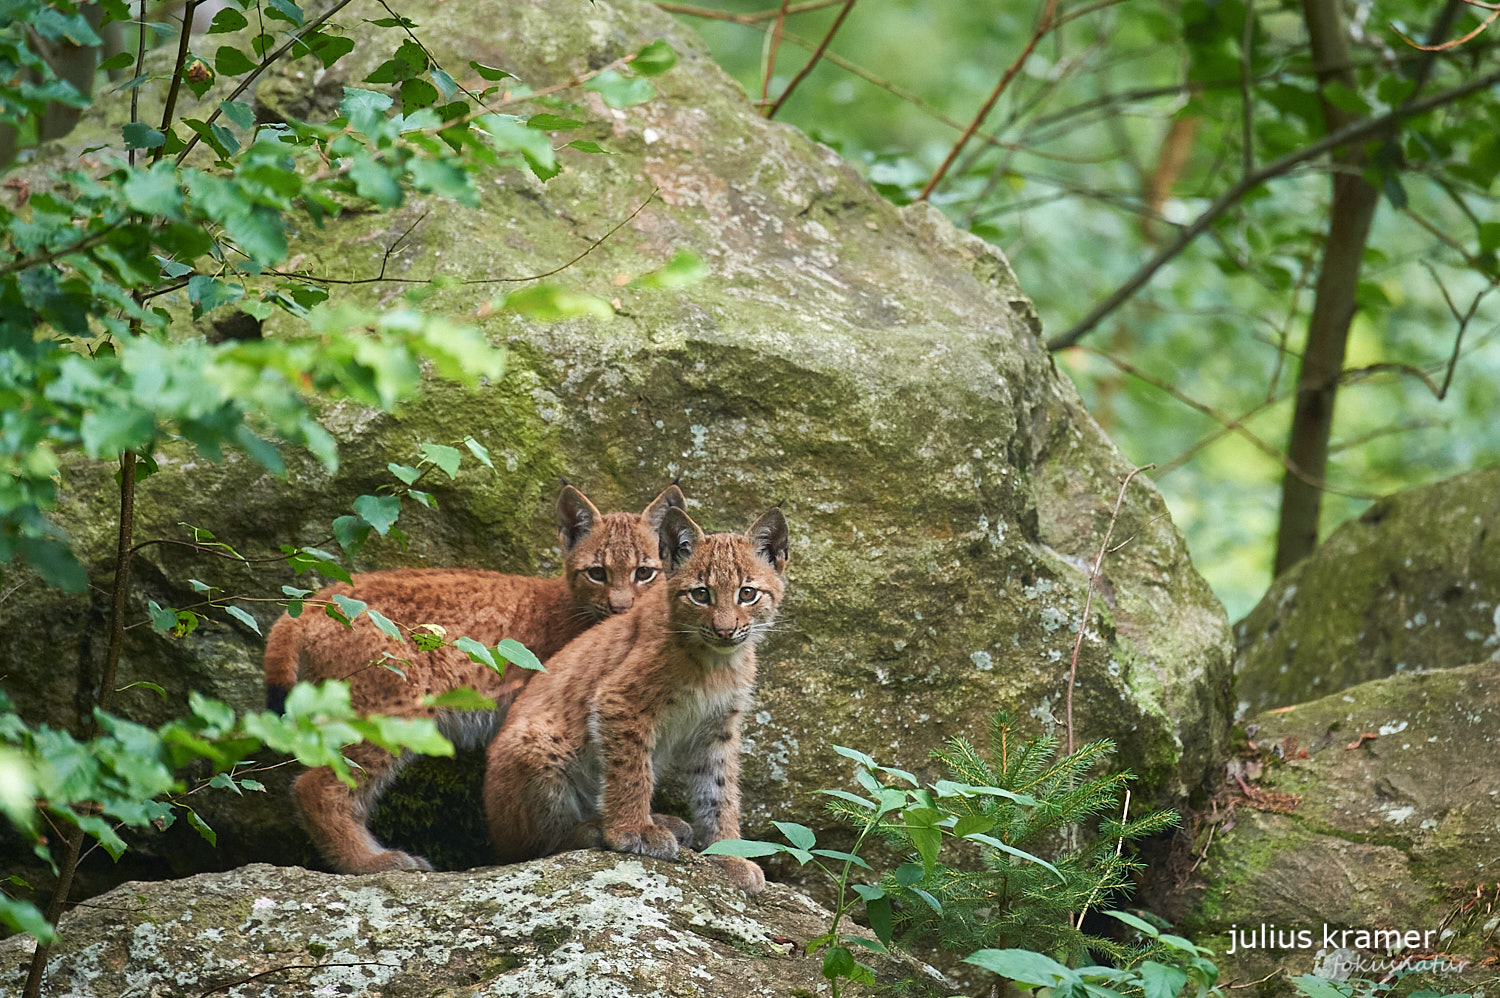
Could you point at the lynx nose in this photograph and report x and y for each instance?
(620, 602)
(721, 631)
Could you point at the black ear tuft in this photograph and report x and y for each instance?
(677, 538)
(768, 536)
(576, 516)
(671, 497)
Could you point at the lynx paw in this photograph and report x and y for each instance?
(744, 874)
(392, 859)
(649, 839)
(680, 829)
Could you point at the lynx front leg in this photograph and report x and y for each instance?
(629, 825)
(336, 817)
(713, 790)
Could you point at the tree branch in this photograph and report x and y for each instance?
(1350, 133)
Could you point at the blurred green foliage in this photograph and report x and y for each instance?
(1060, 177)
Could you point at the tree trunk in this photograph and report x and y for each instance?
(1354, 203)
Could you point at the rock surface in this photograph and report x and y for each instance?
(1402, 832)
(1414, 583)
(580, 924)
(870, 365)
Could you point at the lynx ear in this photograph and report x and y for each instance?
(678, 536)
(768, 537)
(670, 498)
(576, 516)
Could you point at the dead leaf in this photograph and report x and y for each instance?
(1368, 736)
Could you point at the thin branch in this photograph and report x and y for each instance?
(1247, 98)
(1088, 597)
(1228, 423)
(183, 40)
(1350, 133)
(749, 19)
(1049, 11)
(838, 22)
(1455, 42)
(774, 42)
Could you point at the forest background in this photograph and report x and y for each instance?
(1093, 140)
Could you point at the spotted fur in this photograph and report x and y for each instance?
(611, 560)
(656, 695)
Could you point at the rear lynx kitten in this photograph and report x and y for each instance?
(611, 560)
(655, 694)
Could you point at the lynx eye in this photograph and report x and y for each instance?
(700, 595)
(645, 574)
(749, 595)
(597, 574)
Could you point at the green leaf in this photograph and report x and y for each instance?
(406, 473)
(1318, 987)
(351, 532)
(1009, 850)
(684, 269)
(144, 685)
(878, 911)
(142, 136)
(1142, 926)
(844, 857)
(201, 827)
(230, 61)
(445, 457)
(516, 653)
(460, 698)
(240, 113)
(592, 147)
(479, 451)
(658, 57)
(1161, 981)
(383, 622)
(856, 755)
(744, 848)
(477, 652)
(970, 823)
(620, 91)
(120, 60)
(363, 107)
(798, 835)
(23, 916)
(162, 620)
(837, 962)
(378, 511)
(243, 617)
(490, 72)
(351, 608)
(552, 122)
(1022, 966)
(227, 20)
(373, 181)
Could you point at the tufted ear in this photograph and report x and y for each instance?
(768, 537)
(670, 498)
(576, 516)
(678, 536)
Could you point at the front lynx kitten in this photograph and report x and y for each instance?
(611, 560)
(657, 693)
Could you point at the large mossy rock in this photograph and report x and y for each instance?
(578, 924)
(1413, 583)
(1390, 821)
(871, 366)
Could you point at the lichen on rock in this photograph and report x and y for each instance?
(590, 925)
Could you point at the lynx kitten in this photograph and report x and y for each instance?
(655, 694)
(611, 561)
